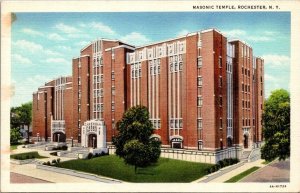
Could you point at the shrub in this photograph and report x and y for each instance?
(54, 161)
(27, 157)
(54, 153)
(44, 163)
(58, 160)
(48, 163)
(90, 155)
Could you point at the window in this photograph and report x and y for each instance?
(113, 106)
(221, 123)
(140, 72)
(158, 69)
(220, 62)
(172, 123)
(200, 145)
(180, 123)
(79, 94)
(159, 125)
(220, 81)
(199, 64)
(180, 66)
(79, 81)
(113, 90)
(171, 67)
(242, 87)
(176, 123)
(242, 70)
(200, 81)
(113, 75)
(176, 67)
(261, 92)
(221, 100)
(200, 101)
(199, 123)
(102, 107)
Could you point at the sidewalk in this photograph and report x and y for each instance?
(239, 170)
(31, 171)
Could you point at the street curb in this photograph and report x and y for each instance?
(78, 174)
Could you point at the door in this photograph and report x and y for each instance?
(92, 140)
(246, 141)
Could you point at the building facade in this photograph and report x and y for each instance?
(203, 93)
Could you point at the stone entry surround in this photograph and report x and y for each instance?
(93, 134)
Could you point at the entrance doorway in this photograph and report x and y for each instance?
(246, 141)
(59, 137)
(92, 140)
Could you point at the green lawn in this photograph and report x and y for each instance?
(27, 155)
(13, 147)
(165, 170)
(242, 175)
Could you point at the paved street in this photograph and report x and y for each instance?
(19, 178)
(278, 171)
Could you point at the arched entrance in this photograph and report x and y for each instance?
(176, 143)
(92, 140)
(229, 142)
(59, 137)
(246, 141)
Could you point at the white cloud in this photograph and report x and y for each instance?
(65, 48)
(135, 38)
(102, 28)
(23, 89)
(56, 37)
(52, 53)
(274, 60)
(18, 59)
(235, 33)
(82, 43)
(259, 38)
(59, 61)
(183, 32)
(32, 32)
(66, 28)
(28, 46)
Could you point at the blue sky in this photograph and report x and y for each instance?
(43, 44)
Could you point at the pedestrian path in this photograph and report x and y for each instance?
(239, 170)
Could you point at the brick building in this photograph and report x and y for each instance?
(203, 92)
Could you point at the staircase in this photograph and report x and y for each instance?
(245, 155)
(74, 153)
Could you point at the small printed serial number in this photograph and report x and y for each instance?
(278, 186)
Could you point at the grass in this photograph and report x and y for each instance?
(165, 170)
(27, 155)
(266, 162)
(243, 174)
(13, 147)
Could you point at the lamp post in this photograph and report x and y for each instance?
(94, 142)
(72, 140)
(38, 137)
(58, 138)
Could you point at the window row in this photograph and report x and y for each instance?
(174, 59)
(154, 69)
(136, 73)
(98, 78)
(97, 61)
(246, 104)
(245, 72)
(175, 67)
(156, 123)
(175, 123)
(98, 92)
(246, 122)
(98, 107)
(245, 88)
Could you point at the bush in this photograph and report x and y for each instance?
(58, 160)
(54, 161)
(44, 163)
(90, 155)
(221, 164)
(27, 157)
(54, 153)
(61, 148)
(48, 163)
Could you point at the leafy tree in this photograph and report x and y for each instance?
(21, 116)
(133, 141)
(15, 136)
(276, 128)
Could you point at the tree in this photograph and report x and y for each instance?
(15, 136)
(133, 142)
(21, 116)
(276, 126)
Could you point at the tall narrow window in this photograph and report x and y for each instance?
(220, 81)
(199, 81)
(113, 75)
(200, 101)
(199, 62)
(220, 62)
(199, 123)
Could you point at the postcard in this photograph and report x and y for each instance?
(149, 96)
